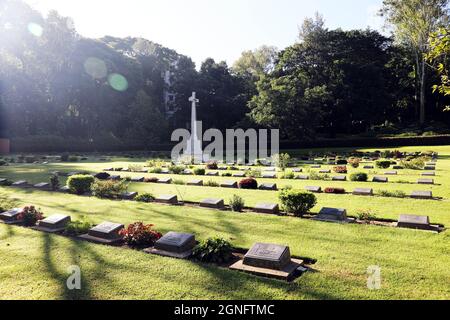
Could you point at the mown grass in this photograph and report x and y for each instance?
(414, 264)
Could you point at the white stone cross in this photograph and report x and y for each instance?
(194, 99)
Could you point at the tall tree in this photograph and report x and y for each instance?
(413, 22)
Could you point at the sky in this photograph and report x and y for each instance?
(220, 29)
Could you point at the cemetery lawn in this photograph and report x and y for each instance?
(414, 264)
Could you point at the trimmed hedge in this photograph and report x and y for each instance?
(80, 183)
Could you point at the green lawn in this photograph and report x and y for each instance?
(414, 264)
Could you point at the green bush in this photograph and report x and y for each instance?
(76, 228)
(178, 182)
(366, 215)
(64, 157)
(297, 202)
(80, 183)
(215, 250)
(414, 164)
(392, 194)
(211, 183)
(227, 174)
(319, 176)
(155, 170)
(288, 176)
(109, 189)
(176, 169)
(6, 183)
(237, 203)
(254, 173)
(135, 167)
(199, 171)
(73, 159)
(359, 176)
(383, 164)
(144, 197)
(54, 182)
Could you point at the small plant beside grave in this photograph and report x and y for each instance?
(359, 176)
(155, 170)
(140, 234)
(248, 183)
(213, 250)
(366, 215)
(54, 182)
(237, 203)
(383, 164)
(288, 176)
(178, 182)
(414, 164)
(176, 169)
(30, 215)
(253, 173)
(227, 174)
(108, 189)
(297, 202)
(354, 162)
(392, 194)
(135, 167)
(211, 183)
(199, 171)
(212, 165)
(144, 197)
(80, 184)
(76, 228)
(340, 169)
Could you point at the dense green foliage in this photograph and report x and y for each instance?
(216, 250)
(80, 183)
(297, 202)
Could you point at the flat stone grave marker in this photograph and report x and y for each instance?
(102, 176)
(64, 189)
(313, 189)
(11, 216)
(302, 177)
(187, 172)
(42, 185)
(325, 171)
(125, 170)
(268, 186)
(380, 179)
(20, 183)
(175, 245)
(391, 173)
(137, 179)
(128, 195)
(54, 223)
(212, 173)
(340, 178)
(222, 168)
(414, 222)
(114, 177)
(268, 175)
(212, 203)
(270, 169)
(229, 184)
(167, 199)
(297, 170)
(431, 164)
(316, 166)
(2, 180)
(165, 180)
(425, 181)
(195, 183)
(269, 208)
(164, 171)
(429, 174)
(397, 168)
(108, 169)
(269, 260)
(105, 232)
(422, 195)
(368, 167)
(363, 192)
(430, 168)
(239, 174)
(332, 215)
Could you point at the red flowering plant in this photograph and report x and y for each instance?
(334, 190)
(151, 180)
(139, 234)
(340, 169)
(248, 183)
(30, 215)
(354, 162)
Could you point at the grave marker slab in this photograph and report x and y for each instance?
(165, 180)
(340, 178)
(175, 245)
(64, 189)
(414, 222)
(164, 171)
(128, 195)
(212, 203)
(269, 260)
(368, 167)
(167, 199)
(108, 169)
(268, 175)
(391, 173)
(229, 184)
(270, 169)
(269, 208)
(316, 166)
(380, 179)
(11, 216)
(297, 170)
(425, 181)
(187, 172)
(302, 177)
(137, 179)
(363, 192)
(42, 185)
(54, 223)
(114, 177)
(268, 186)
(429, 174)
(20, 183)
(313, 189)
(212, 173)
(332, 215)
(429, 168)
(325, 171)
(105, 233)
(239, 174)
(195, 183)
(422, 195)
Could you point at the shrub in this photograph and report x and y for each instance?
(30, 215)
(151, 180)
(359, 176)
(248, 183)
(30, 159)
(212, 165)
(64, 157)
(108, 189)
(254, 173)
(135, 167)
(76, 228)
(297, 202)
(6, 183)
(139, 234)
(227, 174)
(216, 250)
(3, 163)
(176, 169)
(178, 182)
(155, 170)
(281, 160)
(354, 162)
(366, 215)
(318, 176)
(237, 203)
(211, 183)
(340, 169)
(102, 176)
(414, 164)
(335, 190)
(288, 176)
(144, 197)
(383, 164)
(72, 159)
(199, 171)
(80, 184)
(54, 182)
(341, 162)
(391, 194)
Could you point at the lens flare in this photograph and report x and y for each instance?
(118, 82)
(96, 68)
(35, 29)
